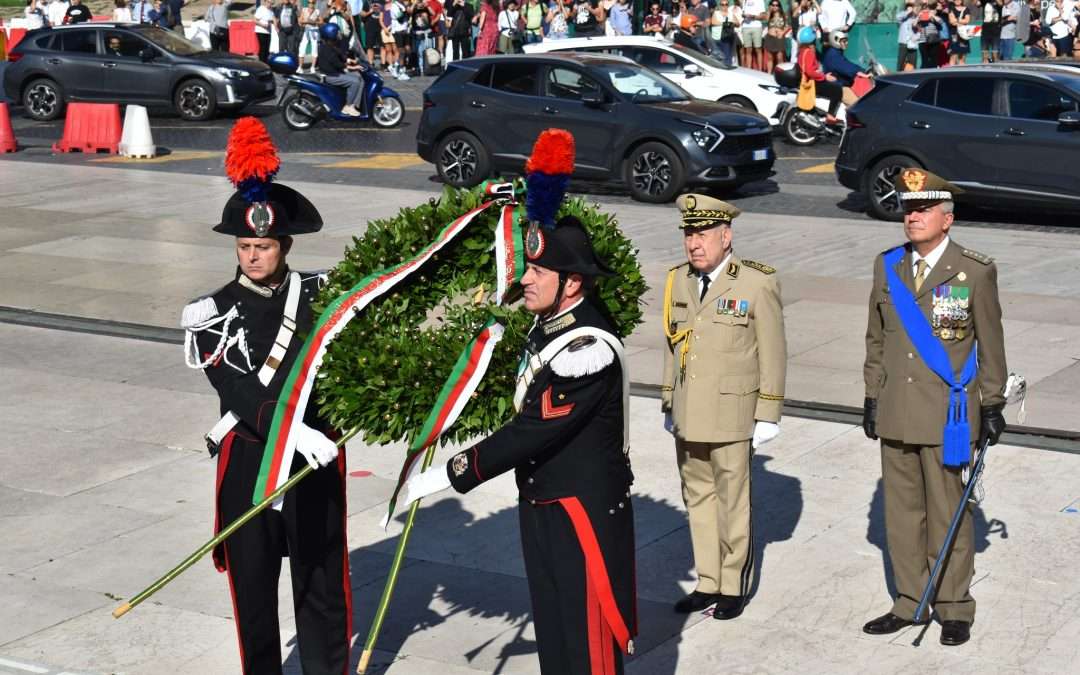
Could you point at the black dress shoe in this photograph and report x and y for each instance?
(955, 633)
(695, 602)
(728, 607)
(884, 625)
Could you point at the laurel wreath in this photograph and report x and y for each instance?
(384, 371)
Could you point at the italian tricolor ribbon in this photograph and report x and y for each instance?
(296, 391)
(467, 373)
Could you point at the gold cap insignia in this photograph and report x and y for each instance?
(914, 179)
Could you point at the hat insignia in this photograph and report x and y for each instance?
(691, 202)
(260, 218)
(534, 241)
(914, 180)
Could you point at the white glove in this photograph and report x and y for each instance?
(669, 424)
(316, 448)
(763, 433)
(423, 484)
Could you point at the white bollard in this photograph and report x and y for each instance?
(137, 141)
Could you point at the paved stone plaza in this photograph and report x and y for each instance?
(107, 483)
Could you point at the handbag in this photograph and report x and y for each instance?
(807, 96)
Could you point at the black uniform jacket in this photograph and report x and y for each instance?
(238, 385)
(566, 446)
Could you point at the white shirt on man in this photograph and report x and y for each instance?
(836, 15)
(752, 8)
(56, 11)
(264, 15)
(712, 275)
(931, 258)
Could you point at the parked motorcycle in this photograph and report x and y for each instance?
(308, 99)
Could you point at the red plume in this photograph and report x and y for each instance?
(251, 152)
(552, 154)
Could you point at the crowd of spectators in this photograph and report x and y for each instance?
(935, 33)
(417, 36)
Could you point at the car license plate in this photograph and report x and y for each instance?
(760, 155)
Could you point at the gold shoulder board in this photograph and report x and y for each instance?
(760, 267)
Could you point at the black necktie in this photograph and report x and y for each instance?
(705, 281)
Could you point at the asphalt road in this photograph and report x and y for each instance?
(360, 153)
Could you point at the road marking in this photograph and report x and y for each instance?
(805, 159)
(827, 167)
(174, 156)
(387, 161)
(25, 667)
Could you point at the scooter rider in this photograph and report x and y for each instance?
(835, 63)
(824, 84)
(341, 67)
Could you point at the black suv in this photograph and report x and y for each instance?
(1008, 134)
(129, 63)
(630, 124)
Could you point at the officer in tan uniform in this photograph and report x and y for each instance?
(723, 389)
(933, 307)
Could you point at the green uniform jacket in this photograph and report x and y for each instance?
(737, 361)
(912, 400)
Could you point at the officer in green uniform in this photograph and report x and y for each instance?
(930, 292)
(723, 389)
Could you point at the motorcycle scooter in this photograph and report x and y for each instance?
(308, 99)
(806, 127)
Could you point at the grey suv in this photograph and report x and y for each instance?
(1008, 134)
(129, 63)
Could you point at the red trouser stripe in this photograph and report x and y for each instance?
(596, 571)
(235, 610)
(222, 465)
(345, 555)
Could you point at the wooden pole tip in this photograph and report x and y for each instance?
(121, 610)
(365, 657)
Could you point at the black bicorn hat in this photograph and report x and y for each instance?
(260, 207)
(564, 248)
(285, 212)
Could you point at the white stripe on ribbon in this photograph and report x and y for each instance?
(346, 312)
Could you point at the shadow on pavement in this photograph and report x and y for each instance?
(778, 507)
(475, 605)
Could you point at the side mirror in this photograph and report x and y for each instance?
(147, 54)
(593, 99)
(691, 70)
(1070, 121)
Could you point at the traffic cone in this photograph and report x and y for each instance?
(137, 141)
(90, 127)
(7, 136)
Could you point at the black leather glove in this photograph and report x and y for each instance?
(869, 418)
(993, 423)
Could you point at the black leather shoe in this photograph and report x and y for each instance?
(886, 624)
(695, 602)
(955, 633)
(728, 607)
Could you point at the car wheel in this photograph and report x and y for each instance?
(299, 113)
(43, 100)
(462, 160)
(654, 173)
(195, 100)
(739, 102)
(880, 188)
(388, 112)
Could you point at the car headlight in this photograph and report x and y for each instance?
(707, 137)
(232, 73)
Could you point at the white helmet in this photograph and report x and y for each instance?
(836, 37)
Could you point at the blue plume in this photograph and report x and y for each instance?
(543, 196)
(254, 189)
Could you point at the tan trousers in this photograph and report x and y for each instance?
(716, 491)
(920, 498)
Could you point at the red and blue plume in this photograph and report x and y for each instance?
(547, 174)
(251, 159)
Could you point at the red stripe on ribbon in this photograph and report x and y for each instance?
(596, 569)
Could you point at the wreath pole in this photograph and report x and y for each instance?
(391, 580)
(221, 536)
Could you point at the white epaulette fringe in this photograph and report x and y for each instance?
(198, 311)
(586, 360)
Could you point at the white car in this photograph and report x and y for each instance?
(699, 74)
